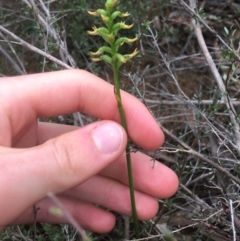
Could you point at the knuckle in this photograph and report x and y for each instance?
(63, 154)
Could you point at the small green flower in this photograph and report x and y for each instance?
(102, 50)
(133, 54)
(125, 26)
(123, 15)
(94, 32)
(106, 58)
(117, 26)
(122, 59)
(99, 31)
(121, 41)
(98, 12)
(119, 14)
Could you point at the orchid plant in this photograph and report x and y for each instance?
(110, 54)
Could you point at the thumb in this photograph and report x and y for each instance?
(57, 165)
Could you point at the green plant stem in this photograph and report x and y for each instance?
(128, 156)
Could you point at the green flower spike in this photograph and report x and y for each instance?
(111, 55)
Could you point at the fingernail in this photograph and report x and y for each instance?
(107, 137)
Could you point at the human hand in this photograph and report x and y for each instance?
(81, 165)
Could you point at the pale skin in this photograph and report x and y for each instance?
(82, 166)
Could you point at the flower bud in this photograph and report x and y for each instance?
(110, 4)
(123, 15)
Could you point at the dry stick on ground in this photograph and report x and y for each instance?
(192, 102)
(11, 61)
(45, 20)
(18, 62)
(217, 77)
(194, 196)
(188, 148)
(232, 219)
(200, 156)
(34, 49)
(193, 13)
(167, 64)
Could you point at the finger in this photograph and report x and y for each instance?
(47, 131)
(87, 215)
(162, 184)
(55, 93)
(114, 196)
(150, 177)
(57, 165)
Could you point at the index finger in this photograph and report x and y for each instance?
(68, 91)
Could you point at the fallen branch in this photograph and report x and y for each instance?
(200, 156)
(217, 77)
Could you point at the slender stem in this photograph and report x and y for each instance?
(128, 156)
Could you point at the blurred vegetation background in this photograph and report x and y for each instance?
(195, 101)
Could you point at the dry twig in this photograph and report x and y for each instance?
(34, 49)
